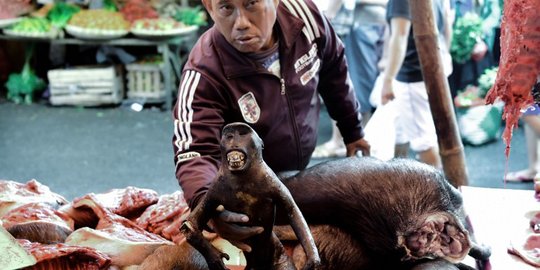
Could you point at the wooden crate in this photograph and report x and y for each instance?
(145, 81)
(86, 86)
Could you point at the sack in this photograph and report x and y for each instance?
(480, 124)
(380, 132)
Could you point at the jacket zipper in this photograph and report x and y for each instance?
(293, 119)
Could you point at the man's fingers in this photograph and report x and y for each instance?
(366, 152)
(243, 231)
(229, 216)
(242, 246)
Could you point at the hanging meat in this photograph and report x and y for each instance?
(520, 61)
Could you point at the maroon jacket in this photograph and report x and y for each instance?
(221, 85)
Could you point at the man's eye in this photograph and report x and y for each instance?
(252, 3)
(225, 9)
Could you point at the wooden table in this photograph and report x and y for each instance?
(498, 217)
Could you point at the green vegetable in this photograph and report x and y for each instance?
(191, 16)
(22, 86)
(32, 25)
(61, 12)
(466, 33)
(476, 94)
(109, 5)
(486, 81)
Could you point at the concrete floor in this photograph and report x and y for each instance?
(75, 151)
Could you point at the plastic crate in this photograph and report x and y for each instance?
(145, 81)
(86, 86)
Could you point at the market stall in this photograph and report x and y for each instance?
(171, 30)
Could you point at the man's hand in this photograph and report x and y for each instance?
(387, 93)
(226, 226)
(361, 145)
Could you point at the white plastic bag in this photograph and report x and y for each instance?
(376, 92)
(380, 131)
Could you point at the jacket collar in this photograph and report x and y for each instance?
(237, 64)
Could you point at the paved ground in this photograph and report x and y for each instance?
(79, 150)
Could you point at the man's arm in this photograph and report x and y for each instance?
(335, 86)
(198, 119)
(397, 46)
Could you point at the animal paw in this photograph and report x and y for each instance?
(311, 264)
(215, 260)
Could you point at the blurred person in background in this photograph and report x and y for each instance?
(361, 24)
(531, 118)
(403, 80)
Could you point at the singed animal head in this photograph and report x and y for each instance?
(240, 146)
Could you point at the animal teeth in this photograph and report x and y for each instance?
(236, 159)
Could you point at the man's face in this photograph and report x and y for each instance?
(246, 24)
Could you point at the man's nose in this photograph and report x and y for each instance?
(242, 20)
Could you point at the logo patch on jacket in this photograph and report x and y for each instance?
(310, 74)
(249, 107)
(187, 156)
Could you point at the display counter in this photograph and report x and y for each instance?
(499, 217)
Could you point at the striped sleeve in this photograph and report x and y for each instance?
(198, 119)
(184, 113)
(300, 9)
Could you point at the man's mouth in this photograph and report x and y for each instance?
(245, 39)
(236, 159)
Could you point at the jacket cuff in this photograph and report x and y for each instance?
(351, 129)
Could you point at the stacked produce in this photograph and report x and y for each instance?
(14, 8)
(160, 27)
(45, 22)
(475, 95)
(191, 16)
(97, 23)
(467, 32)
(138, 9)
(61, 13)
(99, 19)
(158, 24)
(31, 27)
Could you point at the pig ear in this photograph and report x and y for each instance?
(439, 235)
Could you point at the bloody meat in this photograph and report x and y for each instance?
(520, 61)
(62, 256)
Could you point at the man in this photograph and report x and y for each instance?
(264, 62)
(403, 81)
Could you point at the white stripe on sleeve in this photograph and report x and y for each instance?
(307, 32)
(185, 111)
(309, 14)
